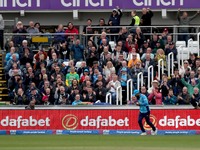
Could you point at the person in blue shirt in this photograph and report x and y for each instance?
(142, 102)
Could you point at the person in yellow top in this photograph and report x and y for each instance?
(132, 63)
(160, 54)
(71, 76)
(135, 19)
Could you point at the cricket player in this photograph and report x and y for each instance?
(142, 102)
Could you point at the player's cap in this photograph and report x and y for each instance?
(136, 92)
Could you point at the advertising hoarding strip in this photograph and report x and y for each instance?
(31, 5)
(99, 120)
(96, 132)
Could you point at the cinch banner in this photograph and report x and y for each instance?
(96, 119)
(95, 4)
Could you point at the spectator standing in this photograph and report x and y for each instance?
(185, 20)
(78, 51)
(184, 97)
(114, 20)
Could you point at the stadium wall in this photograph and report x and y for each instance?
(97, 120)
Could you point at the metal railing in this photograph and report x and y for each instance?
(160, 68)
(129, 89)
(170, 64)
(119, 95)
(109, 98)
(140, 80)
(150, 75)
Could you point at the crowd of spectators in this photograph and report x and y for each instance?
(54, 77)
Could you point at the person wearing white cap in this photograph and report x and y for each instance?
(114, 20)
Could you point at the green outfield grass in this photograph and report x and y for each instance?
(88, 142)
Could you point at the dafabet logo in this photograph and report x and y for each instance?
(153, 119)
(71, 122)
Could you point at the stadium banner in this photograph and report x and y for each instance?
(97, 120)
(95, 4)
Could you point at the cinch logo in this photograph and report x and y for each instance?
(179, 122)
(20, 122)
(153, 120)
(70, 122)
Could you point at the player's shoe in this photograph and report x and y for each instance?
(154, 132)
(143, 133)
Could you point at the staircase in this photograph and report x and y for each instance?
(3, 83)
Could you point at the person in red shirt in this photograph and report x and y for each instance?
(71, 31)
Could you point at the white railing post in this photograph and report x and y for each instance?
(109, 98)
(129, 89)
(170, 64)
(190, 46)
(160, 63)
(140, 80)
(119, 95)
(150, 75)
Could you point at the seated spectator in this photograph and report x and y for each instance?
(60, 94)
(184, 97)
(112, 87)
(100, 78)
(132, 63)
(85, 73)
(78, 51)
(27, 56)
(35, 96)
(29, 76)
(100, 91)
(143, 48)
(165, 87)
(108, 70)
(45, 100)
(74, 86)
(157, 47)
(195, 98)
(172, 49)
(123, 78)
(70, 76)
(88, 28)
(90, 96)
(117, 51)
(192, 61)
(155, 84)
(135, 71)
(175, 83)
(32, 28)
(56, 72)
(123, 34)
(131, 43)
(82, 68)
(147, 63)
(185, 67)
(139, 37)
(11, 62)
(161, 55)
(104, 43)
(14, 70)
(20, 98)
(9, 55)
(164, 35)
(31, 106)
(171, 99)
(92, 56)
(130, 54)
(104, 54)
(78, 101)
(155, 97)
(148, 51)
